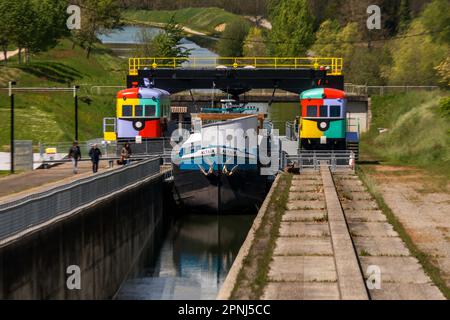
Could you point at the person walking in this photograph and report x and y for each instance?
(75, 156)
(95, 155)
(125, 154)
(352, 160)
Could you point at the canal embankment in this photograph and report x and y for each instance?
(61, 235)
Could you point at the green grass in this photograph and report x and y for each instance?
(418, 135)
(267, 234)
(424, 259)
(48, 117)
(199, 19)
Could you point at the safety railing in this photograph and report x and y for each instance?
(314, 159)
(363, 90)
(25, 213)
(334, 66)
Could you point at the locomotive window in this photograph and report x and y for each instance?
(150, 110)
(138, 111)
(311, 111)
(335, 111)
(323, 111)
(127, 111)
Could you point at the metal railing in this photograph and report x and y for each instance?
(363, 90)
(22, 214)
(333, 65)
(314, 159)
(291, 131)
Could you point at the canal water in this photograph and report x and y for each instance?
(193, 261)
(197, 251)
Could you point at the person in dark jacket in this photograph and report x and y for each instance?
(75, 156)
(95, 155)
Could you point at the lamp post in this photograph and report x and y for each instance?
(11, 95)
(75, 96)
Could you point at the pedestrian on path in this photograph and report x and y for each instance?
(75, 156)
(95, 155)
(125, 154)
(352, 160)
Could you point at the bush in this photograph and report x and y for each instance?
(444, 107)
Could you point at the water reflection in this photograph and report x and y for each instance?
(194, 260)
(123, 41)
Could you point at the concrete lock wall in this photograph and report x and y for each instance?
(357, 110)
(105, 241)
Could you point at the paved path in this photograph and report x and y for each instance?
(9, 54)
(16, 186)
(318, 258)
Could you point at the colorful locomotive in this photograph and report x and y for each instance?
(323, 122)
(142, 112)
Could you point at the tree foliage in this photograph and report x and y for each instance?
(436, 19)
(97, 17)
(167, 44)
(415, 58)
(31, 25)
(420, 56)
(164, 44)
(292, 28)
(254, 45)
(232, 39)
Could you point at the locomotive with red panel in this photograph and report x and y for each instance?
(140, 112)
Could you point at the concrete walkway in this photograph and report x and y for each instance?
(19, 185)
(303, 267)
(379, 245)
(317, 257)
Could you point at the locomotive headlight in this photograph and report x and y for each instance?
(323, 125)
(138, 124)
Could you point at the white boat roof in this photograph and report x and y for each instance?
(148, 93)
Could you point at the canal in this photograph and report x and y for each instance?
(195, 253)
(193, 260)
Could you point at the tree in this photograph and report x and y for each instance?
(404, 15)
(49, 25)
(436, 18)
(23, 22)
(97, 17)
(232, 39)
(326, 44)
(254, 45)
(166, 44)
(415, 58)
(5, 29)
(444, 72)
(292, 28)
(31, 25)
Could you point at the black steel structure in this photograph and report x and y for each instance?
(236, 81)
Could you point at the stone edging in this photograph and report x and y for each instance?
(230, 281)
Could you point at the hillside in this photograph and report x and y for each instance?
(418, 133)
(206, 20)
(49, 117)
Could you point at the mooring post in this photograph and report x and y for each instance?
(75, 96)
(11, 95)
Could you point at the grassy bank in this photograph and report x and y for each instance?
(206, 20)
(48, 117)
(418, 133)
